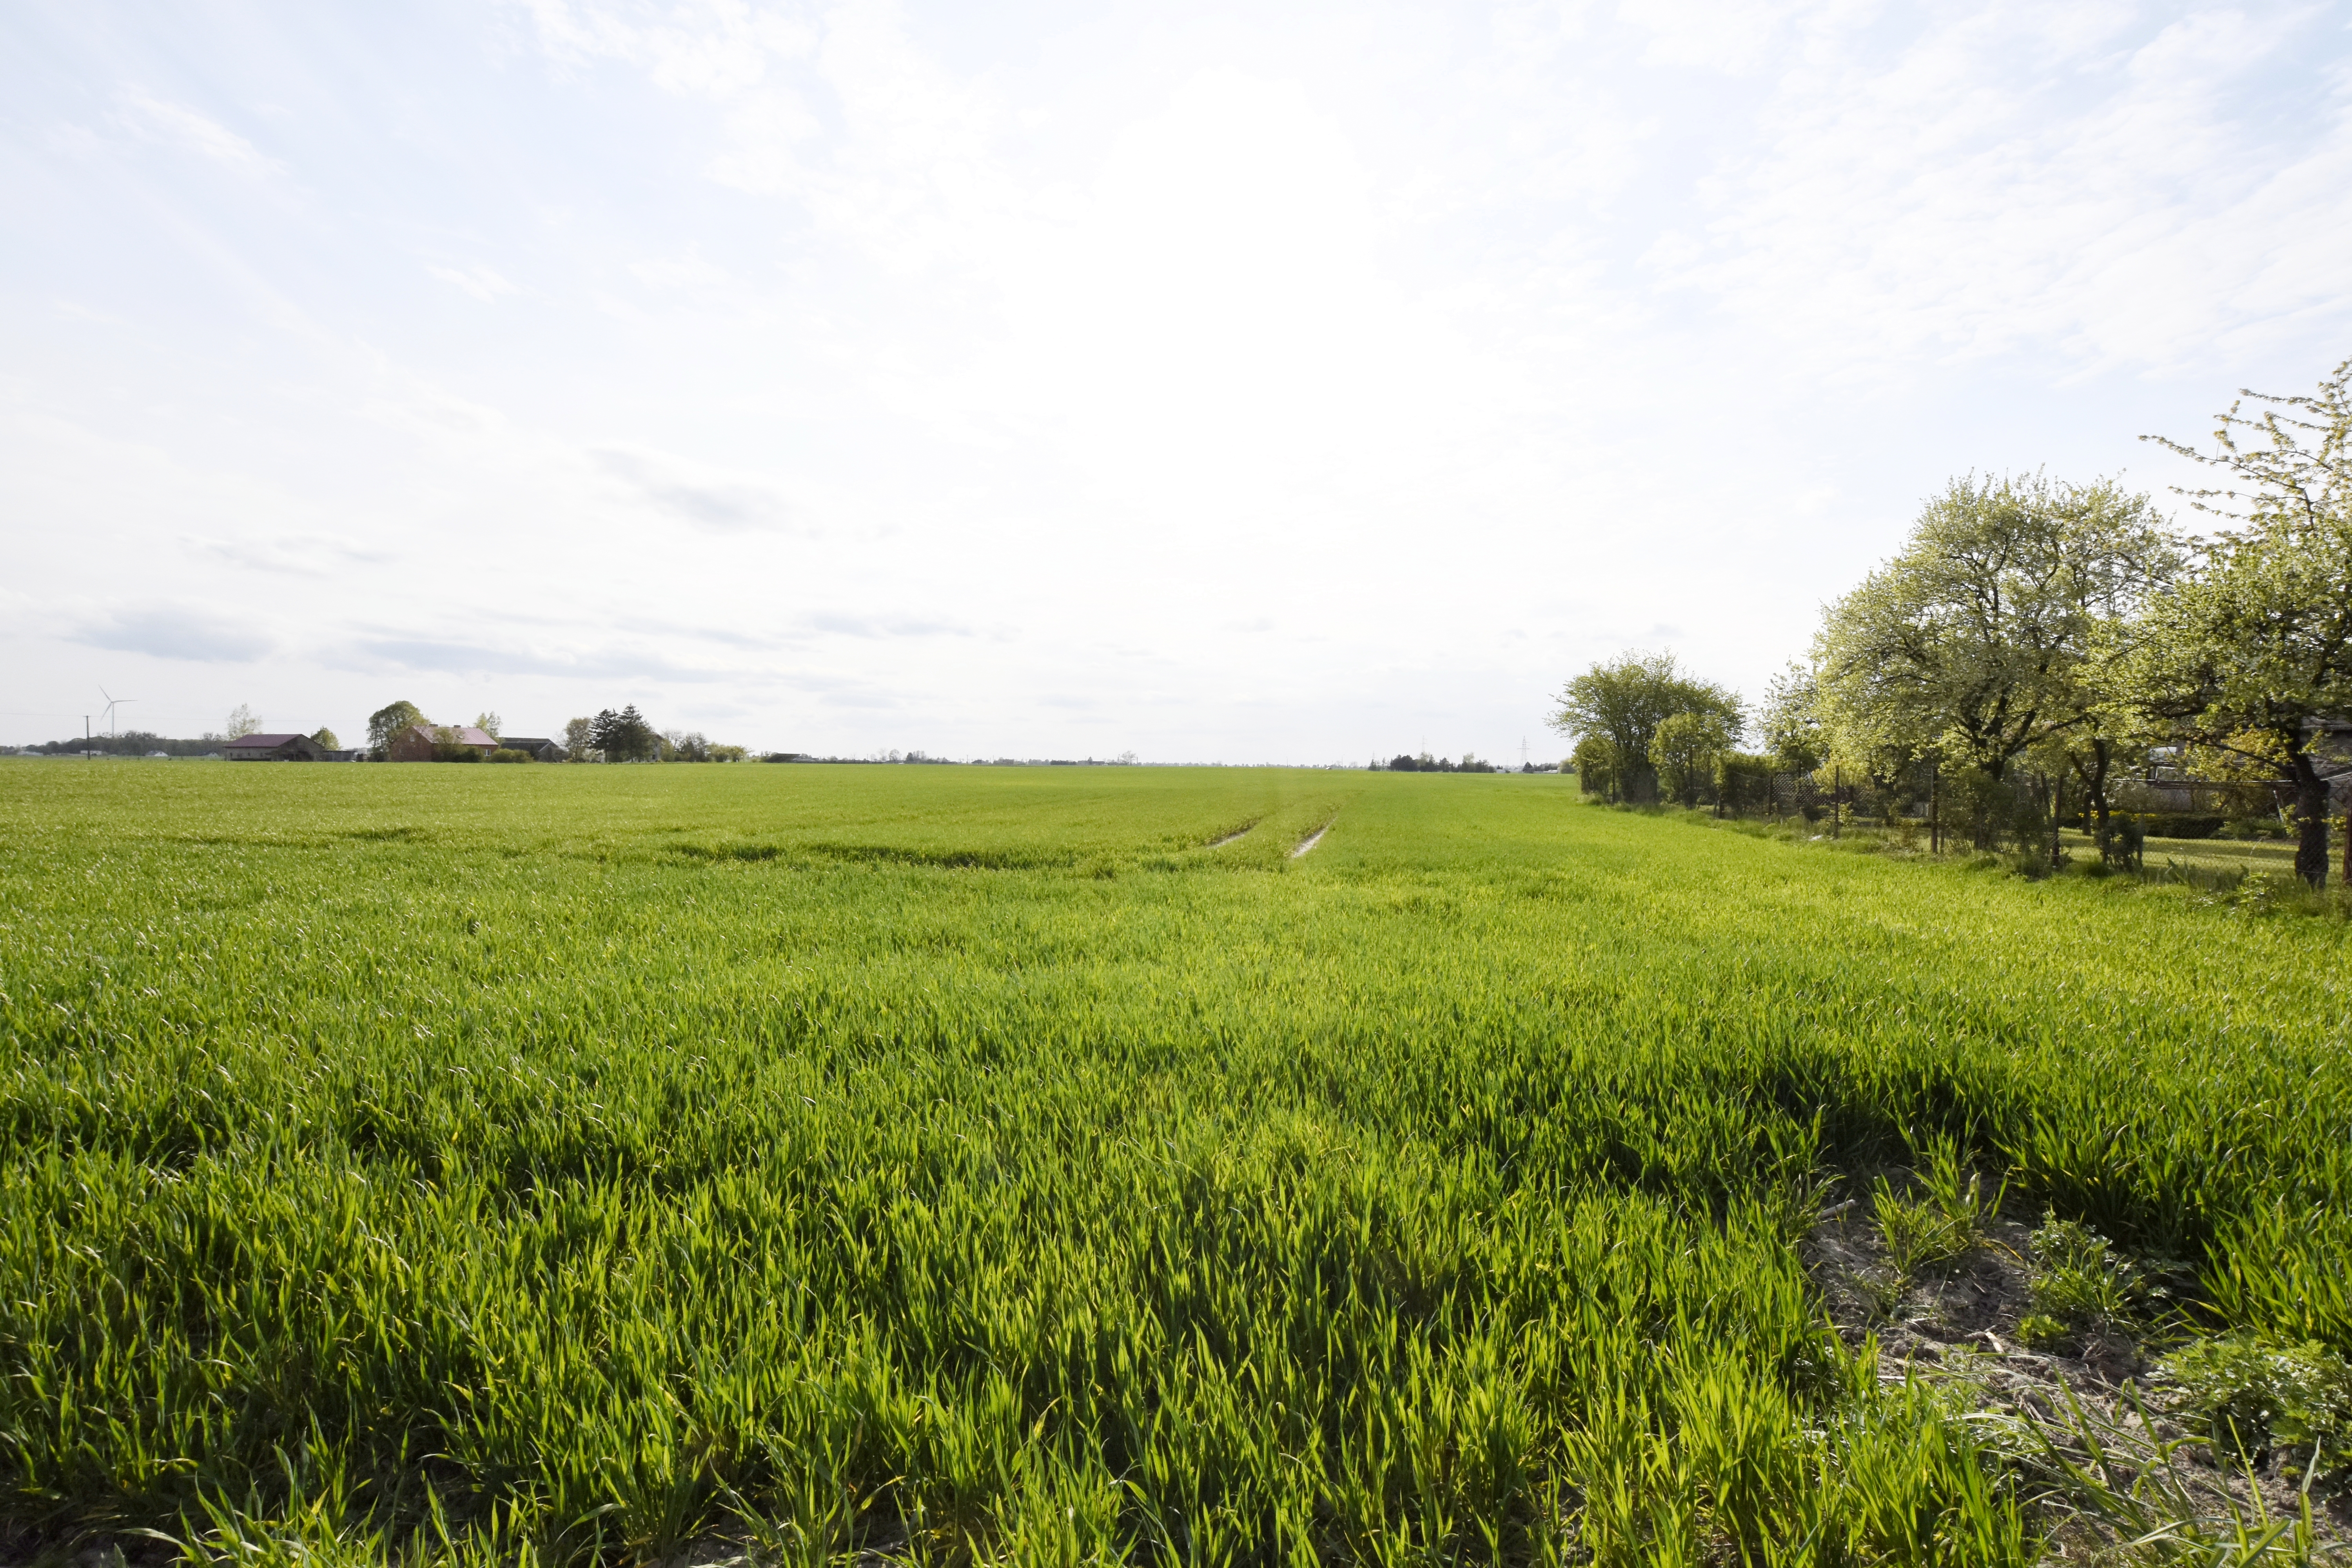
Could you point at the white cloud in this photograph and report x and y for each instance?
(168, 629)
(159, 120)
(715, 501)
(2011, 178)
(298, 555)
(1731, 36)
(685, 272)
(481, 282)
(708, 47)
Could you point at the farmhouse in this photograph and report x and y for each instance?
(415, 744)
(274, 749)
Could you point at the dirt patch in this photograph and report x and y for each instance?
(1310, 841)
(2092, 1401)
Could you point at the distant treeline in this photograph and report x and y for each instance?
(128, 743)
(925, 759)
(1426, 763)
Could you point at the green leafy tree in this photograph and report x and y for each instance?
(1790, 721)
(2252, 655)
(622, 737)
(1683, 752)
(388, 723)
(1624, 700)
(1969, 646)
(326, 737)
(578, 738)
(490, 724)
(1595, 766)
(1742, 779)
(449, 747)
(242, 722)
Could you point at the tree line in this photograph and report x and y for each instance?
(625, 736)
(1405, 762)
(2035, 645)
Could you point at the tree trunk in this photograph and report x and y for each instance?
(2095, 778)
(2311, 818)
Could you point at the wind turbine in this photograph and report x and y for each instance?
(112, 703)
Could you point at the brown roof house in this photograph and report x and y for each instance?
(274, 749)
(415, 744)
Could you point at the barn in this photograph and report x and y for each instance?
(274, 749)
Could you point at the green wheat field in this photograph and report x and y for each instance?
(989, 1164)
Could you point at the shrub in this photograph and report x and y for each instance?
(2042, 1331)
(2077, 1284)
(1943, 1221)
(1978, 806)
(1742, 782)
(2252, 1397)
(1595, 764)
(509, 755)
(2123, 846)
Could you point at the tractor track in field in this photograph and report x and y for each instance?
(1312, 839)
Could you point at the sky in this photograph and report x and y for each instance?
(1216, 382)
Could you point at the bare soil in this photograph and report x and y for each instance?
(1957, 1326)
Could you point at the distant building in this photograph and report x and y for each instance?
(2172, 789)
(415, 744)
(540, 748)
(2332, 753)
(274, 749)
